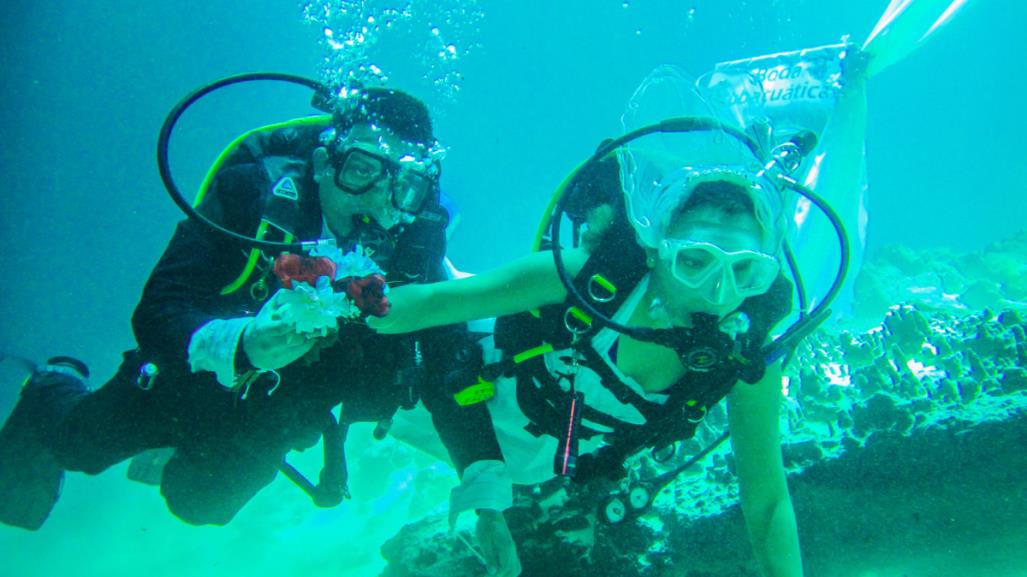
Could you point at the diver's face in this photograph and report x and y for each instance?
(366, 144)
(710, 262)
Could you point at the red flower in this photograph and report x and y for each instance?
(290, 267)
(368, 293)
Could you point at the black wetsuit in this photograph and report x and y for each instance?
(227, 447)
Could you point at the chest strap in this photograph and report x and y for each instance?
(544, 403)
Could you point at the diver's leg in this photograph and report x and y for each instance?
(114, 423)
(60, 424)
(207, 484)
(30, 474)
(232, 455)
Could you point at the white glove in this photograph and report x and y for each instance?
(271, 341)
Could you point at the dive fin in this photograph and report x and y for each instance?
(30, 476)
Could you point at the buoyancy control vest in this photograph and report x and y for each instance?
(607, 278)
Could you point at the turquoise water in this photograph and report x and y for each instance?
(86, 86)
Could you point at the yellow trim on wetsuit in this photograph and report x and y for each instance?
(323, 119)
(543, 225)
(254, 256)
(533, 352)
(484, 390)
(547, 216)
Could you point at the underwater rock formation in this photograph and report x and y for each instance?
(869, 415)
(994, 278)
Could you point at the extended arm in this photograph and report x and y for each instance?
(524, 284)
(753, 416)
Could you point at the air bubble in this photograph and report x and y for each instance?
(354, 31)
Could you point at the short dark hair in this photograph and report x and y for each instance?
(728, 197)
(401, 113)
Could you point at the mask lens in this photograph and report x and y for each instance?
(754, 274)
(693, 265)
(410, 191)
(359, 171)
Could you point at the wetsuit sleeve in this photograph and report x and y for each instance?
(183, 291)
(454, 361)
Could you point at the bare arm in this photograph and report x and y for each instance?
(755, 439)
(524, 284)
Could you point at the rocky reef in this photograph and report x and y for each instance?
(896, 437)
(994, 278)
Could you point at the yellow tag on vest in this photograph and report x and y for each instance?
(477, 393)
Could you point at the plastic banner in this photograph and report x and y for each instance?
(775, 96)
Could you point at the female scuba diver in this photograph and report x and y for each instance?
(681, 240)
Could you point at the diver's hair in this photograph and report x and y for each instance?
(730, 198)
(401, 113)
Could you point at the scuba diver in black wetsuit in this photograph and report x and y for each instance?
(225, 373)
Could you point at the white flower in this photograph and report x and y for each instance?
(354, 263)
(315, 310)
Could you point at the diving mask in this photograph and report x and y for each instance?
(718, 274)
(358, 170)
